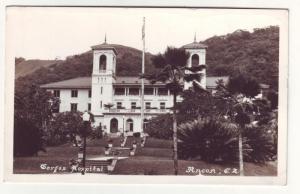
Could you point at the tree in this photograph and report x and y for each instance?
(170, 70)
(160, 127)
(108, 105)
(35, 104)
(238, 97)
(33, 112)
(64, 126)
(196, 104)
(27, 138)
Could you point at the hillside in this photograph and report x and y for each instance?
(27, 67)
(128, 63)
(253, 53)
(37, 72)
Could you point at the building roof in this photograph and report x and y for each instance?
(85, 82)
(104, 46)
(80, 83)
(195, 45)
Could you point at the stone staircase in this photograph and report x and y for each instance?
(98, 166)
(120, 149)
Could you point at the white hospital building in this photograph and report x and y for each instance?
(115, 101)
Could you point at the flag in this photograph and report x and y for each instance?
(143, 29)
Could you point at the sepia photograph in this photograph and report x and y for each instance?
(147, 92)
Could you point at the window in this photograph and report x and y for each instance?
(148, 105)
(90, 93)
(74, 93)
(162, 105)
(56, 93)
(73, 107)
(162, 91)
(148, 91)
(119, 91)
(134, 91)
(119, 105)
(195, 60)
(133, 105)
(102, 63)
(101, 104)
(89, 106)
(146, 121)
(101, 90)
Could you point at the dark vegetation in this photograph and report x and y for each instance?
(27, 138)
(255, 54)
(211, 126)
(208, 140)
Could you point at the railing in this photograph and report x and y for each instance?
(154, 111)
(138, 95)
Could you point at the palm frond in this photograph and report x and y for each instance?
(195, 69)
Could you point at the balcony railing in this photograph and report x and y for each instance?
(153, 111)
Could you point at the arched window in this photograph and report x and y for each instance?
(195, 60)
(102, 62)
(129, 125)
(113, 125)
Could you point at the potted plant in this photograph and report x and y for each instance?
(110, 143)
(131, 151)
(134, 144)
(106, 150)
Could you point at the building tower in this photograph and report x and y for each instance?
(197, 53)
(103, 77)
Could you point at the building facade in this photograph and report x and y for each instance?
(115, 101)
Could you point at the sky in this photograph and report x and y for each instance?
(58, 32)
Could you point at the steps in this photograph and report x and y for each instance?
(98, 166)
(124, 141)
(97, 163)
(131, 139)
(120, 151)
(122, 148)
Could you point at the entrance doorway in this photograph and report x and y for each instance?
(129, 125)
(113, 125)
(146, 121)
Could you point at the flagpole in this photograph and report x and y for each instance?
(143, 72)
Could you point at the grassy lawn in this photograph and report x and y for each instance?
(154, 159)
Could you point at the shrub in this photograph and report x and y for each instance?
(213, 141)
(97, 133)
(258, 144)
(209, 140)
(64, 127)
(27, 138)
(160, 127)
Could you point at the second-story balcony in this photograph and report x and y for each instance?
(137, 111)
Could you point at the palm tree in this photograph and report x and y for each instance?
(171, 68)
(238, 97)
